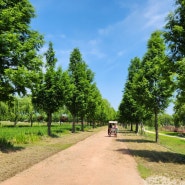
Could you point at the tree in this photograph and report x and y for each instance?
(174, 33)
(94, 100)
(165, 119)
(3, 111)
(179, 115)
(18, 47)
(50, 93)
(125, 110)
(180, 97)
(157, 82)
(27, 110)
(81, 77)
(84, 86)
(136, 109)
(106, 112)
(130, 109)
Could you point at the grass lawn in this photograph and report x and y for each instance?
(166, 158)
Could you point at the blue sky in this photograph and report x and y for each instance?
(108, 33)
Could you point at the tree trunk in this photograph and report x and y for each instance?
(93, 124)
(156, 128)
(31, 120)
(142, 128)
(131, 129)
(73, 124)
(15, 120)
(49, 123)
(137, 128)
(82, 124)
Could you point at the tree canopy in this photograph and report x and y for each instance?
(18, 47)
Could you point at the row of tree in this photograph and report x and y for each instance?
(22, 110)
(160, 74)
(23, 69)
(74, 88)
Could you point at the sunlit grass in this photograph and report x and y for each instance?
(23, 133)
(144, 171)
(172, 143)
(165, 158)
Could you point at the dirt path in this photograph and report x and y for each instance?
(96, 160)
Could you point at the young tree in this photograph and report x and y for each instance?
(84, 87)
(3, 111)
(130, 109)
(165, 119)
(50, 93)
(105, 111)
(27, 109)
(81, 77)
(94, 102)
(125, 109)
(18, 47)
(157, 85)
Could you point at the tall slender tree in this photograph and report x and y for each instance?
(156, 84)
(94, 100)
(81, 77)
(131, 111)
(50, 93)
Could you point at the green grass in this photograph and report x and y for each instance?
(177, 134)
(165, 158)
(23, 133)
(144, 171)
(176, 145)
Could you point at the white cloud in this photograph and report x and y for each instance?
(63, 36)
(49, 36)
(155, 13)
(107, 30)
(55, 36)
(97, 53)
(121, 53)
(94, 42)
(149, 17)
(93, 48)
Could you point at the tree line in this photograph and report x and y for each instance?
(24, 71)
(159, 77)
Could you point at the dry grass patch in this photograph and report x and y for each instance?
(154, 159)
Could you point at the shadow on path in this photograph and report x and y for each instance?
(135, 140)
